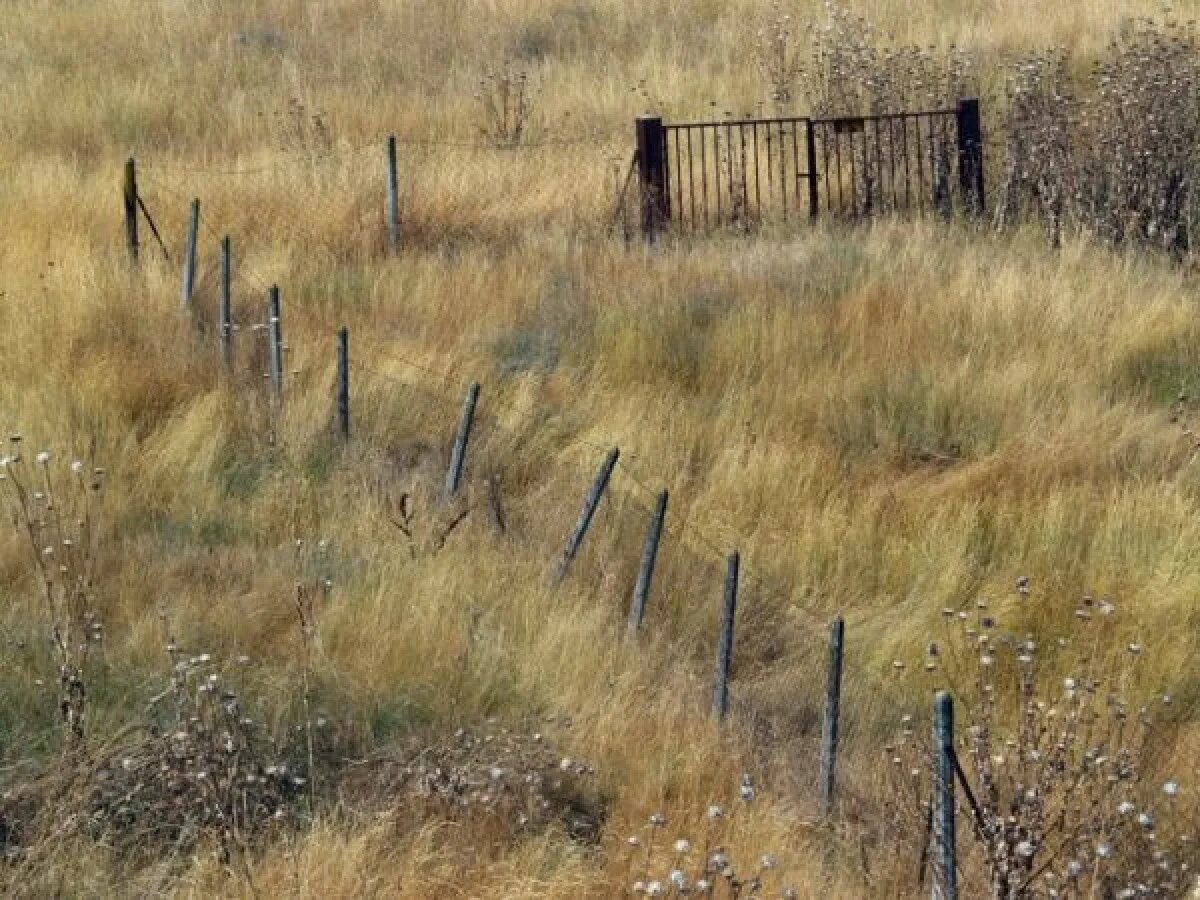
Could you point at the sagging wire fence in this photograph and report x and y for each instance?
(623, 545)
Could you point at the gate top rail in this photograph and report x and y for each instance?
(721, 123)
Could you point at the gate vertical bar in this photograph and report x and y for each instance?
(814, 195)
(945, 875)
(652, 174)
(833, 702)
(970, 155)
(725, 639)
(641, 590)
(130, 193)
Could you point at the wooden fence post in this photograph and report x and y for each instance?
(225, 312)
(343, 382)
(189, 254)
(458, 456)
(641, 590)
(652, 174)
(810, 152)
(970, 155)
(393, 209)
(130, 193)
(275, 340)
(725, 638)
(575, 541)
(833, 702)
(945, 875)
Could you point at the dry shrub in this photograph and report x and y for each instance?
(500, 781)
(1066, 792)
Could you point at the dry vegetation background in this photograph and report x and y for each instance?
(889, 421)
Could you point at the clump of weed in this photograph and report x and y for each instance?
(56, 512)
(658, 866)
(1062, 781)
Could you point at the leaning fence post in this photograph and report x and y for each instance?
(458, 456)
(652, 174)
(130, 193)
(225, 311)
(393, 209)
(970, 155)
(343, 382)
(833, 702)
(945, 878)
(275, 340)
(189, 254)
(725, 638)
(641, 590)
(575, 541)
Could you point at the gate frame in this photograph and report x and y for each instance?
(653, 163)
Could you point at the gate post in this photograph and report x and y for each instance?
(652, 174)
(810, 142)
(970, 155)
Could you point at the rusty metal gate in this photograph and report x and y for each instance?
(751, 172)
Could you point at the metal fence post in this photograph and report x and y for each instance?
(189, 255)
(970, 155)
(833, 701)
(275, 340)
(393, 209)
(589, 509)
(458, 455)
(725, 638)
(343, 382)
(225, 311)
(652, 174)
(641, 590)
(945, 876)
(130, 193)
(810, 151)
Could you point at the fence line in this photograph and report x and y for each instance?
(683, 571)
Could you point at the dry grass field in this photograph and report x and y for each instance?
(887, 420)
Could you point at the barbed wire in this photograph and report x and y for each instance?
(604, 139)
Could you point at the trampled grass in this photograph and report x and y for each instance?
(887, 420)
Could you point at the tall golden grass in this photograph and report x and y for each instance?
(887, 420)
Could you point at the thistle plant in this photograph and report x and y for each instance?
(778, 52)
(661, 866)
(55, 510)
(506, 97)
(1065, 790)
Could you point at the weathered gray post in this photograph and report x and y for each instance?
(945, 876)
(833, 702)
(393, 196)
(189, 255)
(725, 639)
(970, 155)
(641, 590)
(130, 193)
(343, 382)
(225, 312)
(458, 456)
(275, 340)
(652, 174)
(575, 541)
